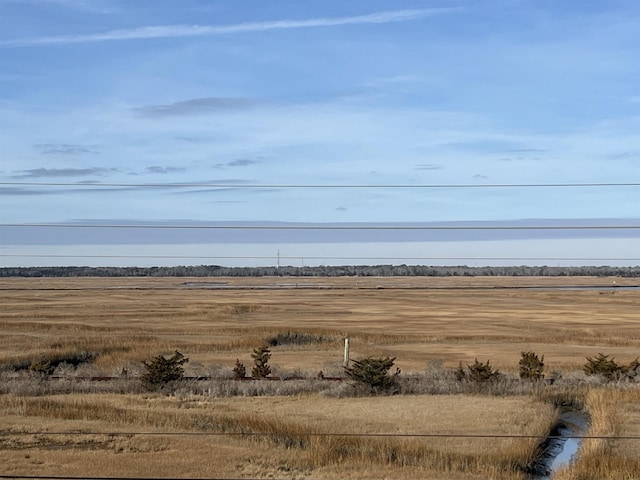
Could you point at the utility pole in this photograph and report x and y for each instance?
(278, 265)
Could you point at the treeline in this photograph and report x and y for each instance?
(321, 271)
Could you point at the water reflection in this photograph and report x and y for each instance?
(560, 449)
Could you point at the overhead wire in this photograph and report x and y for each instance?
(58, 477)
(312, 257)
(321, 185)
(318, 434)
(317, 226)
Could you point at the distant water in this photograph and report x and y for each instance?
(558, 252)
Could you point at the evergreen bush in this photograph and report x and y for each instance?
(239, 371)
(531, 366)
(161, 370)
(374, 373)
(261, 367)
(478, 372)
(610, 369)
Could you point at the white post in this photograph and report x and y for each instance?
(346, 352)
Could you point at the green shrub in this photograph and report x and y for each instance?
(610, 369)
(239, 370)
(261, 367)
(477, 372)
(531, 366)
(161, 370)
(373, 373)
(603, 365)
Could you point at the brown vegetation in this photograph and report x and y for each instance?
(88, 327)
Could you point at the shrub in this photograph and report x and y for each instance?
(261, 367)
(603, 365)
(477, 372)
(161, 370)
(373, 373)
(42, 367)
(531, 366)
(633, 369)
(239, 371)
(299, 338)
(610, 369)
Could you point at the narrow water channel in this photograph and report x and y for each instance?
(560, 448)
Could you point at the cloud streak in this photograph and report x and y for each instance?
(165, 170)
(196, 106)
(177, 31)
(62, 149)
(62, 172)
(90, 6)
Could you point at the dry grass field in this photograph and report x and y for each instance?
(216, 321)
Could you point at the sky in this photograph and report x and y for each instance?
(317, 113)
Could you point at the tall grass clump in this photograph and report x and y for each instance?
(299, 338)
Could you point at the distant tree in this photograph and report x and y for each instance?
(373, 373)
(610, 369)
(161, 370)
(239, 370)
(477, 372)
(261, 367)
(603, 365)
(531, 366)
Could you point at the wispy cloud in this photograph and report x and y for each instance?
(189, 139)
(91, 6)
(238, 162)
(164, 170)
(429, 166)
(174, 31)
(527, 150)
(61, 172)
(196, 106)
(241, 162)
(63, 149)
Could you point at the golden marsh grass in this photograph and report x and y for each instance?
(417, 320)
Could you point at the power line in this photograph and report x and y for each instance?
(323, 434)
(321, 186)
(321, 227)
(56, 477)
(311, 257)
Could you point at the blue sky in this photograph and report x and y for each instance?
(246, 93)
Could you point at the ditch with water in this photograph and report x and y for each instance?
(561, 447)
